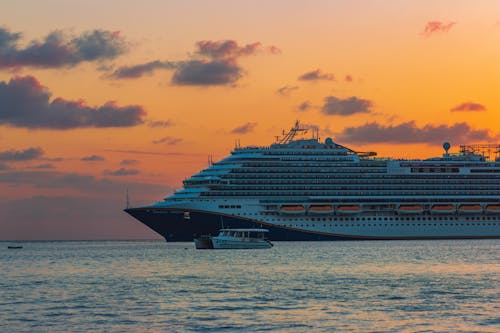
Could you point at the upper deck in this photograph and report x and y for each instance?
(305, 167)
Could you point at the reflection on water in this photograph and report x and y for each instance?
(295, 286)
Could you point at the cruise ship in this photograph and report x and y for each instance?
(307, 189)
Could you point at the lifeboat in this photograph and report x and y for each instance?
(320, 209)
(443, 209)
(410, 209)
(349, 209)
(470, 209)
(493, 209)
(292, 209)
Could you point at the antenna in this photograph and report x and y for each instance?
(127, 200)
(288, 137)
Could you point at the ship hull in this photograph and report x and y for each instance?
(174, 226)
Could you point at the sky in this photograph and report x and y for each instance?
(101, 97)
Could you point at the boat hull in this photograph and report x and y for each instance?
(219, 243)
(203, 243)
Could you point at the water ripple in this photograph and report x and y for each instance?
(293, 287)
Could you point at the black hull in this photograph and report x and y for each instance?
(174, 227)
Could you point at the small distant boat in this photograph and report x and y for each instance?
(14, 247)
(241, 239)
(203, 242)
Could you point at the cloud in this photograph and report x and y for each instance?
(68, 217)
(129, 162)
(244, 129)
(348, 78)
(53, 159)
(316, 75)
(4, 167)
(409, 132)
(44, 166)
(229, 49)
(159, 123)
(206, 73)
(121, 172)
(304, 106)
(346, 107)
(79, 183)
(136, 71)
(286, 90)
(21, 155)
(56, 50)
(67, 198)
(168, 140)
(469, 106)
(24, 102)
(92, 158)
(212, 63)
(151, 152)
(433, 27)
(311, 127)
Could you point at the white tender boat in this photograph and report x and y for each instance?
(241, 239)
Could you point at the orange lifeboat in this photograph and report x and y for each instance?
(443, 209)
(292, 209)
(320, 209)
(349, 209)
(493, 209)
(410, 209)
(470, 209)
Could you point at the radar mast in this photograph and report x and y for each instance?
(290, 135)
(489, 151)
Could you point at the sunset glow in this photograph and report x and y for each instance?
(97, 98)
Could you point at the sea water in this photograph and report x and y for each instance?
(153, 286)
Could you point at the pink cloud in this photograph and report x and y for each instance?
(409, 132)
(230, 49)
(244, 129)
(26, 103)
(469, 106)
(433, 27)
(316, 75)
(212, 63)
(286, 90)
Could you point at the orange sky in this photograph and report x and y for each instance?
(419, 72)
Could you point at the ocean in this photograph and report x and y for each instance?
(347, 286)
